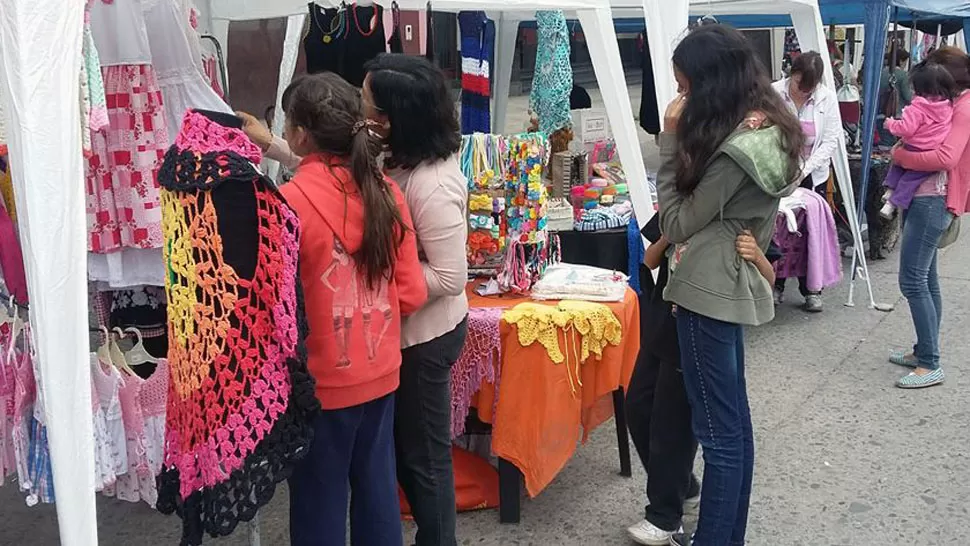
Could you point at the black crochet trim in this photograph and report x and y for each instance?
(190, 171)
(219, 509)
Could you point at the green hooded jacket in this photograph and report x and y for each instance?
(741, 188)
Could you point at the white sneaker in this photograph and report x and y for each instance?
(887, 210)
(649, 534)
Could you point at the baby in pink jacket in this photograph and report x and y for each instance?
(925, 125)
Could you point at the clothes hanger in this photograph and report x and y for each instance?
(138, 355)
(116, 355)
(103, 352)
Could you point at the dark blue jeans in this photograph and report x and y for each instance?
(351, 462)
(422, 432)
(924, 222)
(712, 357)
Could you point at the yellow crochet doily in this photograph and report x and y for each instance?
(593, 323)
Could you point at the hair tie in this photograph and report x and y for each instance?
(358, 126)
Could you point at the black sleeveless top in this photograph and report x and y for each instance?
(342, 42)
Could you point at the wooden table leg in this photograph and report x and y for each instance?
(622, 437)
(509, 480)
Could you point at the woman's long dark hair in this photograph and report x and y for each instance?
(329, 109)
(727, 82)
(412, 92)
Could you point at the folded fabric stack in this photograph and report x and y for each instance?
(602, 218)
(580, 282)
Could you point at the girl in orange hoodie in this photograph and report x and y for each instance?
(360, 272)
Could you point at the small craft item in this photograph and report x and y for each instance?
(580, 282)
(483, 162)
(561, 215)
(605, 217)
(562, 173)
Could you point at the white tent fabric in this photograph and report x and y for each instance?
(597, 22)
(39, 85)
(807, 20)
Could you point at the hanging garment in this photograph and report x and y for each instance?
(122, 191)
(240, 398)
(120, 36)
(342, 41)
(395, 44)
(6, 188)
(179, 72)
(94, 110)
(365, 40)
(153, 397)
(12, 259)
(108, 383)
(649, 110)
(324, 41)
(430, 42)
(553, 81)
(477, 44)
(126, 268)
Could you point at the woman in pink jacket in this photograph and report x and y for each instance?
(937, 202)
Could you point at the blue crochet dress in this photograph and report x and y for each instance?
(553, 80)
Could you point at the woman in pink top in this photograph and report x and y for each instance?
(409, 99)
(927, 219)
(924, 125)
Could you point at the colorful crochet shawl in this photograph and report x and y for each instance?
(240, 399)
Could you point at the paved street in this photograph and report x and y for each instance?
(843, 457)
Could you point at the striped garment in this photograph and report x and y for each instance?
(477, 44)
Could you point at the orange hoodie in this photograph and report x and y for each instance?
(355, 332)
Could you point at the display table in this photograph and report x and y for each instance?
(536, 419)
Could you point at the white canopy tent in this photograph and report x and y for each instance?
(666, 23)
(39, 92)
(595, 16)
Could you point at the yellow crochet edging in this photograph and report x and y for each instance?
(594, 323)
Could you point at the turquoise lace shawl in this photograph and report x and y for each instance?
(553, 80)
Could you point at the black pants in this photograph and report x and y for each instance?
(666, 445)
(422, 436)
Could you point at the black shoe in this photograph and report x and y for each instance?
(681, 539)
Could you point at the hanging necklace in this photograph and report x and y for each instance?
(335, 25)
(373, 22)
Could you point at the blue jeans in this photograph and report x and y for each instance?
(924, 222)
(712, 356)
(351, 461)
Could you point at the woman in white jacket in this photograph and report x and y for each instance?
(817, 109)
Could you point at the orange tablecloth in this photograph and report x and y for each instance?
(539, 420)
